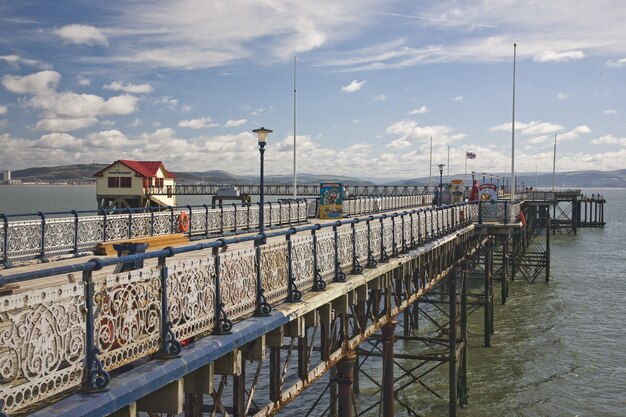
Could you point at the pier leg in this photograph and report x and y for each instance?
(463, 336)
(452, 338)
(275, 373)
(388, 385)
(487, 298)
(505, 278)
(333, 393)
(344, 382)
(548, 249)
(239, 392)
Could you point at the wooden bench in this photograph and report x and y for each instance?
(154, 243)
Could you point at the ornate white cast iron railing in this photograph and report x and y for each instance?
(71, 335)
(50, 235)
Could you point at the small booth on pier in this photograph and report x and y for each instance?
(125, 184)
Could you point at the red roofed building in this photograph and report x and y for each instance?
(125, 183)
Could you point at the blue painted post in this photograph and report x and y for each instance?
(269, 223)
(171, 220)
(235, 217)
(356, 266)
(371, 261)
(411, 226)
(206, 220)
(262, 306)
(222, 324)
(394, 246)
(419, 227)
(293, 294)
(221, 219)
(339, 275)
(5, 244)
(151, 220)
(432, 226)
(96, 378)
(130, 223)
(383, 254)
(190, 220)
(104, 225)
(261, 217)
(170, 347)
(318, 284)
(43, 237)
(75, 213)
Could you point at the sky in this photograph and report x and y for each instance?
(187, 81)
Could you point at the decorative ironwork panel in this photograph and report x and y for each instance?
(42, 340)
(90, 231)
(274, 273)
(276, 213)
(162, 223)
(229, 218)
(361, 242)
(345, 247)
(140, 225)
(59, 235)
(398, 232)
(302, 261)
(254, 216)
(215, 220)
(489, 211)
(2, 248)
(198, 221)
(326, 253)
(242, 217)
(375, 238)
(191, 296)
(24, 239)
(127, 316)
(238, 283)
(117, 226)
(388, 236)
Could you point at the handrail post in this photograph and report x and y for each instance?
(190, 221)
(222, 324)
(75, 213)
(104, 225)
(130, 222)
(96, 378)
(263, 308)
(171, 220)
(318, 283)
(43, 236)
(221, 219)
(235, 217)
(170, 347)
(356, 266)
(339, 275)
(293, 294)
(383, 253)
(506, 213)
(206, 220)
(151, 220)
(5, 244)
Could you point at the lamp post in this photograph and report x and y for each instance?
(440, 183)
(497, 185)
(262, 306)
(262, 136)
(483, 177)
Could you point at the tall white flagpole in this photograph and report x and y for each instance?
(448, 176)
(430, 169)
(554, 163)
(465, 174)
(513, 129)
(295, 182)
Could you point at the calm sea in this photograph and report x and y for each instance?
(558, 348)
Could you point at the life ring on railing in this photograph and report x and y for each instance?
(183, 221)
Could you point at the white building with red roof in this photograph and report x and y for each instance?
(126, 183)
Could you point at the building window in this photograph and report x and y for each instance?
(114, 182)
(159, 182)
(125, 182)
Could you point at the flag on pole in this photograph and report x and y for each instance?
(470, 155)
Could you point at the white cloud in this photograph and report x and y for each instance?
(610, 111)
(616, 62)
(562, 96)
(355, 121)
(81, 35)
(15, 61)
(609, 140)
(168, 101)
(458, 98)
(64, 124)
(83, 81)
(419, 110)
(380, 98)
(353, 86)
(574, 133)
(409, 131)
(532, 128)
(235, 123)
(136, 123)
(564, 56)
(129, 88)
(43, 82)
(186, 108)
(3, 109)
(59, 140)
(198, 123)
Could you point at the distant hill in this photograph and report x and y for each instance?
(83, 173)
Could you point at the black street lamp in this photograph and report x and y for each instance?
(262, 306)
(483, 177)
(262, 135)
(440, 183)
(473, 172)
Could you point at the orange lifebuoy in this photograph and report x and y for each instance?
(183, 221)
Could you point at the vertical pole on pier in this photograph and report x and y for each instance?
(333, 392)
(239, 392)
(452, 339)
(514, 255)
(463, 368)
(275, 373)
(548, 247)
(487, 297)
(388, 386)
(505, 270)
(344, 382)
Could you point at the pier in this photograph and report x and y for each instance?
(244, 324)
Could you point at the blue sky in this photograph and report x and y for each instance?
(186, 81)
